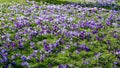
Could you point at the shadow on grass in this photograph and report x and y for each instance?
(106, 6)
(53, 1)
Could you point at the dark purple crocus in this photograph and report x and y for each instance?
(46, 46)
(99, 17)
(118, 19)
(82, 34)
(48, 31)
(21, 45)
(42, 58)
(66, 66)
(100, 38)
(24, 58)
(108, 42)
(60, 66)
(84, 47)
(99, 26)
(13, 44)
(94, 31)
(13, 63)
(6, 66)
(115, 36)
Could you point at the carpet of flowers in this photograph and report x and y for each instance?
(64, 36)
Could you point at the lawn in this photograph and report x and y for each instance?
(8, 1)
(59, 34)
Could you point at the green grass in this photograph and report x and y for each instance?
(11, 1)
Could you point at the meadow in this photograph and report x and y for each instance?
(59, 34)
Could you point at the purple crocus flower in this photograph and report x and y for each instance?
(13, 56)
(36, 6)
(73, 26)
(13, 44)
(118, 52)
(82, 25)
(115, 62)
(5, 58)
(21, 45)
(42, 58)
(66, 66)
(32, 44)
(99, 26)
(33, 33)
(3, 50)
(82, 34)
(67, 47)
(24, 58)
(25, 63)
(108, 42)
(46, 46)
(3, 37)
(6, 66)
(38, 22)
(108, 23)
(60, 66)
(84, 47)
(17, 25)
(56, 44)
(13, 63)
(115, 36)
(100, 38)
(8, 40)
(7, 45)
(94, 31)
(17, 37)
(99, 17)
(118, 19)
